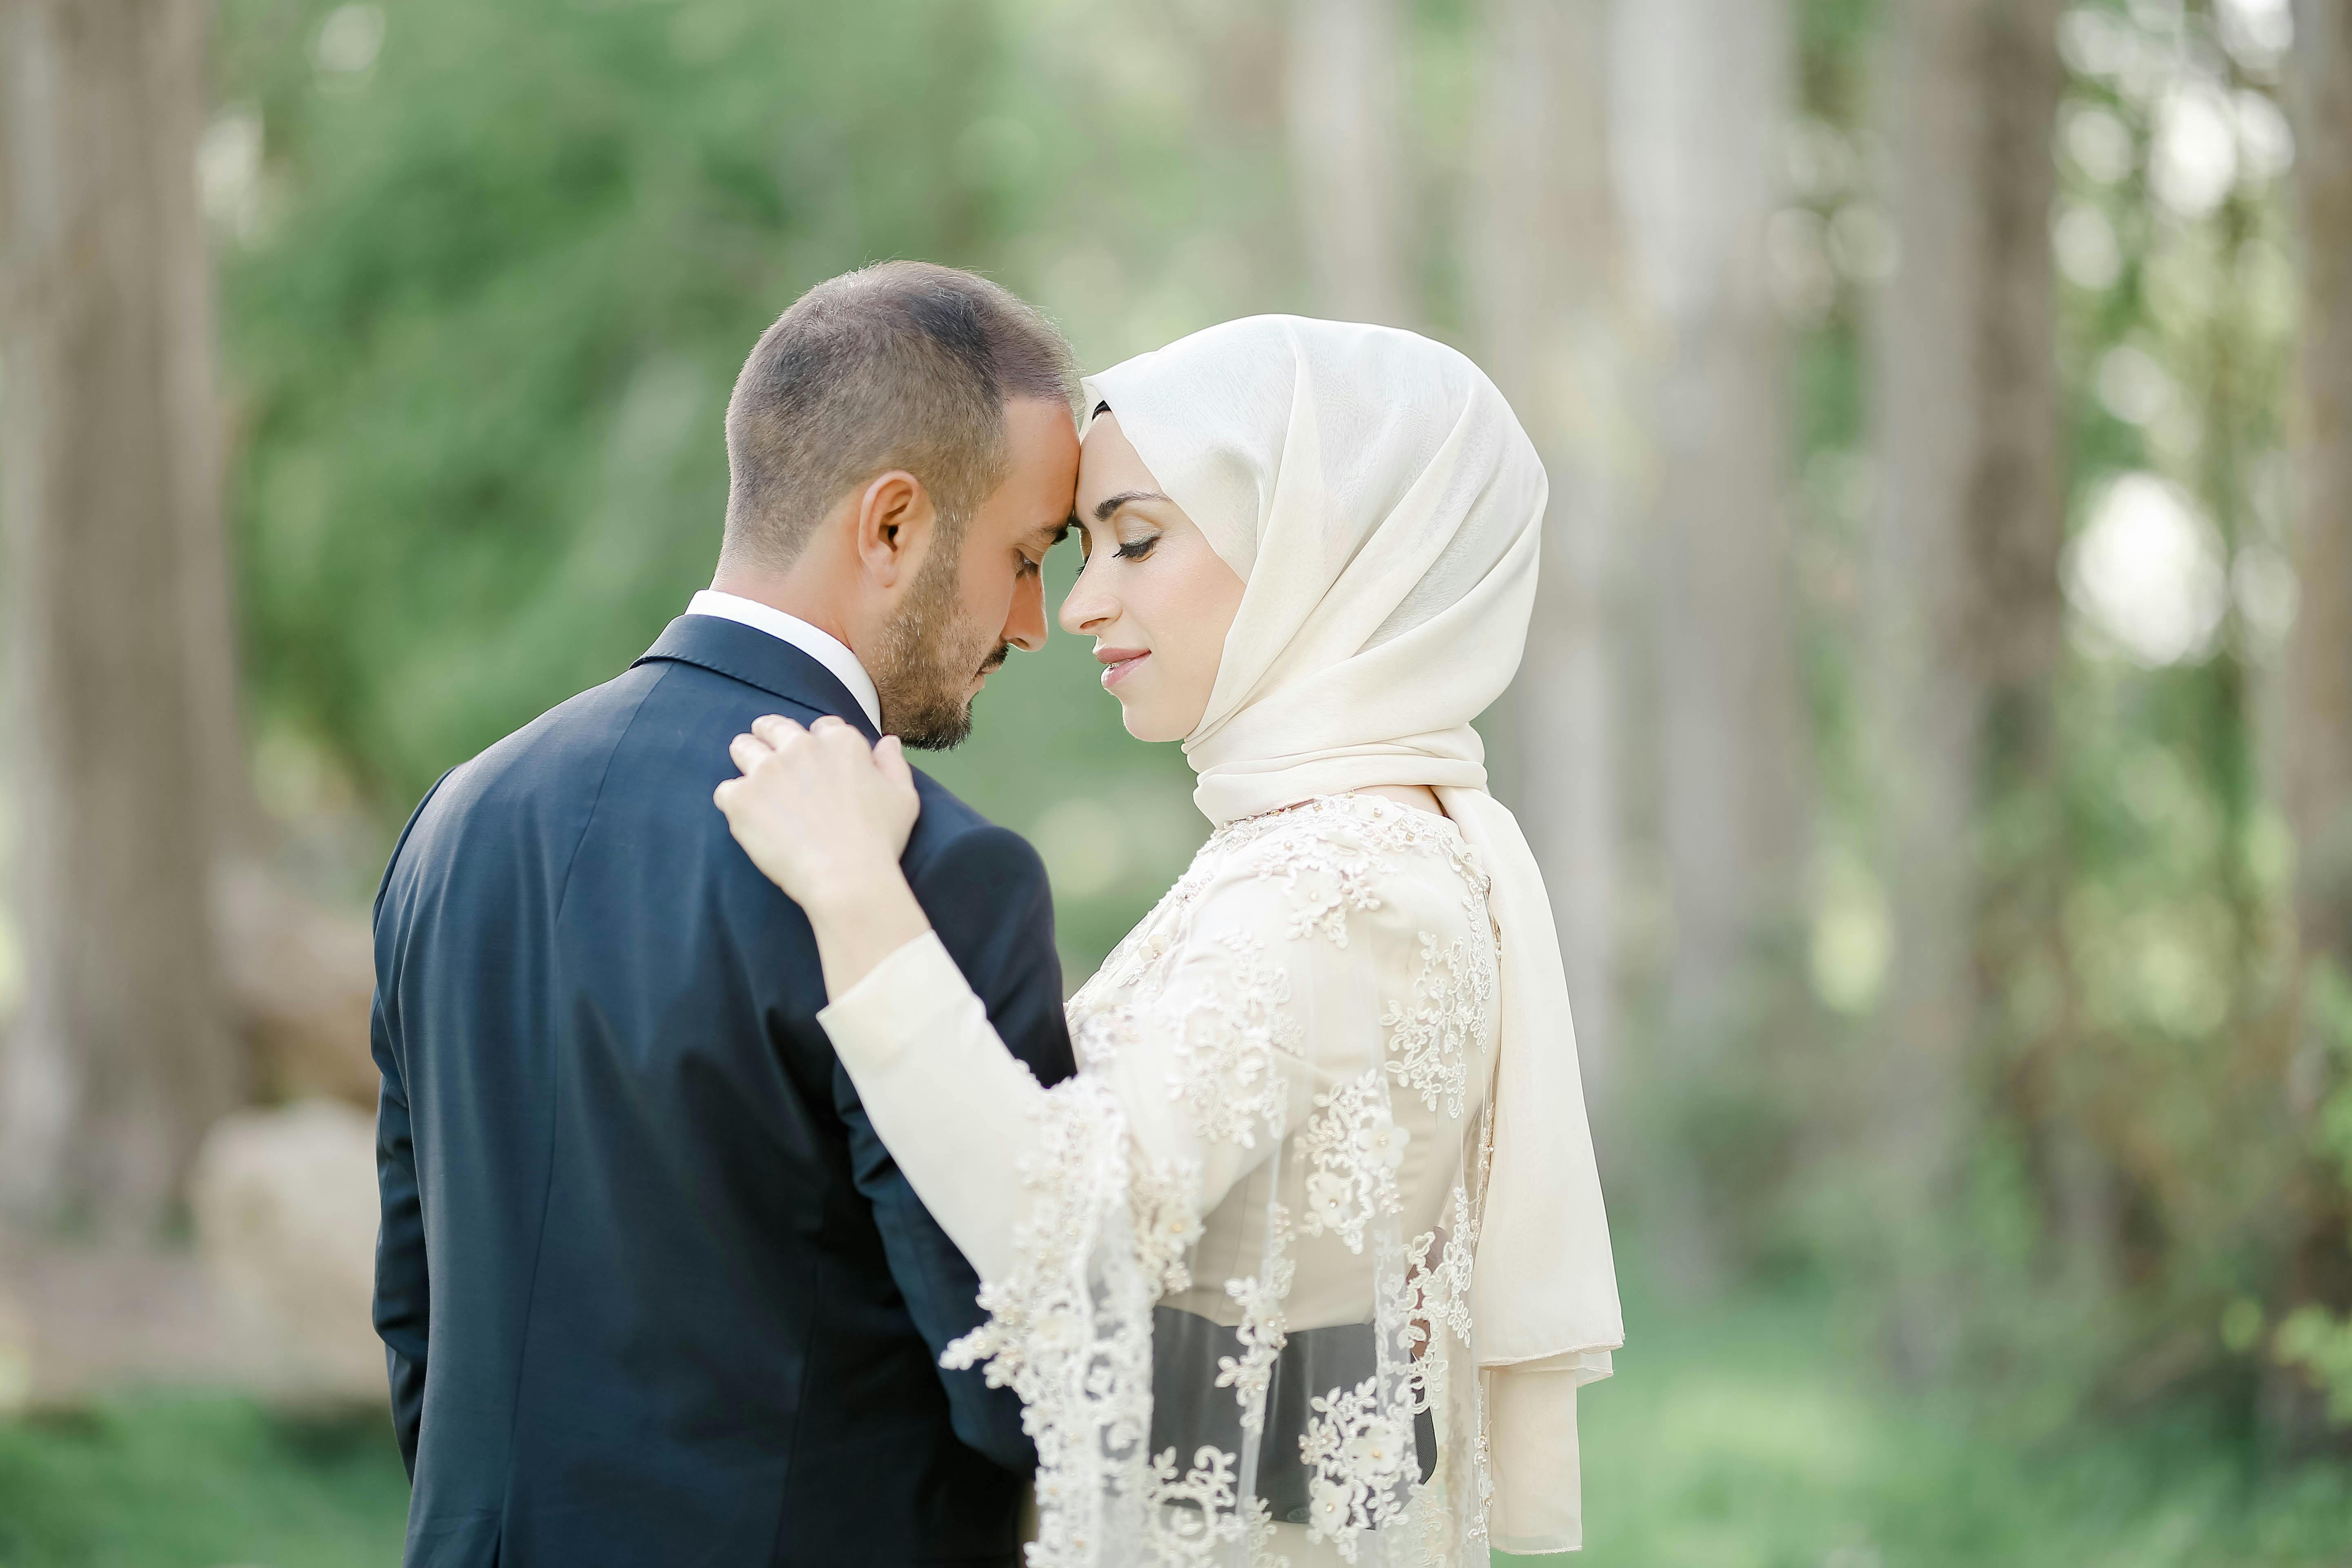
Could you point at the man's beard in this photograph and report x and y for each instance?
(926, 665)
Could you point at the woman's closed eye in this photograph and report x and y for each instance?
(1137, 549)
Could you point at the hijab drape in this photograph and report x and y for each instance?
(1384, 510)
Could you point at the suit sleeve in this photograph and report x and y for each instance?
(402, 1293)
(987, 897)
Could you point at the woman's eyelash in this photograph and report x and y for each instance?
(1136, 549)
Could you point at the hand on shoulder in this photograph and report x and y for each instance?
(823, 815)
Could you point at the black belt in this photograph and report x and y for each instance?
(1189, 1412)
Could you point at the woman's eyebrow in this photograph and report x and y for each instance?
(1110, 504)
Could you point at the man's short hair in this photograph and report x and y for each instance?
(902, 364)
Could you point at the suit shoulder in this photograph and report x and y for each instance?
(950, 832)
(945, 815)
(594, 720)
(537, 785)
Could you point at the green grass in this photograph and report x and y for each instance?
(1744, 1439)
(189, 1481)
(1738, 1439)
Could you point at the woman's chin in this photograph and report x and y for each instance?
(1143, 723)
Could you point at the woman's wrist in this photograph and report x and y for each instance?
(853, 887)
(869, 918)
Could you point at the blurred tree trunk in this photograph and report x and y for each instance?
(122, 1054)
(2318, 706)
(1965, 599)
(2319, 651)
(1705, 89)
(1547, 297)
(1347, 159)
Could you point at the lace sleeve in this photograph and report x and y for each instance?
(1204, 1076)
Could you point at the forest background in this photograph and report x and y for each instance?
(1938, 724)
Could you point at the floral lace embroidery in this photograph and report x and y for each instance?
(1166, 1207)
(1356, 1150)
(1358, 1450)
(1070, 1326)
(1225, 1071)
(1263, 1330)
(1099, 1034)
(1261, 1534)
(1429, 1037)
(1069, 1329)
(1324, 877)
(1329, 854)
(1193, 1513)
(1444, 1290)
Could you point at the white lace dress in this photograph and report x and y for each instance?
(1228, 1265)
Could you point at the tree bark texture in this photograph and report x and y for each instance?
(1546, 291)
(1967, 614)
(1348, 157)
(110, 483)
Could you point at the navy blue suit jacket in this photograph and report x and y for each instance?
(652, 1290)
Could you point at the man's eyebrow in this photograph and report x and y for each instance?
(1049, 534)
(1110, 504)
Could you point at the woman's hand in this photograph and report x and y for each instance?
(826, 817)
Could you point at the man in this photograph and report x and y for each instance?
(653, 1292)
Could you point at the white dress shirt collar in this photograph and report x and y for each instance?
(823, 647)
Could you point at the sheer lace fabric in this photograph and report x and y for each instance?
(1228, 1266)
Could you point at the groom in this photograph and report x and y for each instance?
(653, 1291)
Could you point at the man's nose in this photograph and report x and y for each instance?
(1025, 628)
(1083, 606)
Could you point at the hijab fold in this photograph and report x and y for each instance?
(1384, 510)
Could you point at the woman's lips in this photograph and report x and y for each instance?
(1118, 661)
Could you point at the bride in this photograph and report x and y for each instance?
(1308, 1261)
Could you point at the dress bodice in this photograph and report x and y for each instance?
(1342, 945)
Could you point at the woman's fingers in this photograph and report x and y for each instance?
(890, 757)
(776, 730)
(772, 734)
(827, 774)
(748, 752)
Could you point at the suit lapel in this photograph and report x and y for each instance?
(752, 657)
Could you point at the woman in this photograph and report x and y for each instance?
(1309, 1259)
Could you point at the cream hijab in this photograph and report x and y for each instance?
(1382, 506)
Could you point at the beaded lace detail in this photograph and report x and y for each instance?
(1313, 1002)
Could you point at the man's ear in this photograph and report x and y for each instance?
(894, 524)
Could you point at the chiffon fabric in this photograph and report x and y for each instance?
(1308, 1262)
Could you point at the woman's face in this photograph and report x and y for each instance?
(1153, 596)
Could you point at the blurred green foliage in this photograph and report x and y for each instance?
(488, 292)
(481, 351)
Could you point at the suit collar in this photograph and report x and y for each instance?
(754, 657)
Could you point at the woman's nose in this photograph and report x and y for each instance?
(1085, 605)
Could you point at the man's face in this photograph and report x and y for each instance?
(968, 608)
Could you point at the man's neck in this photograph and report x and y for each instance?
(790, 593)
